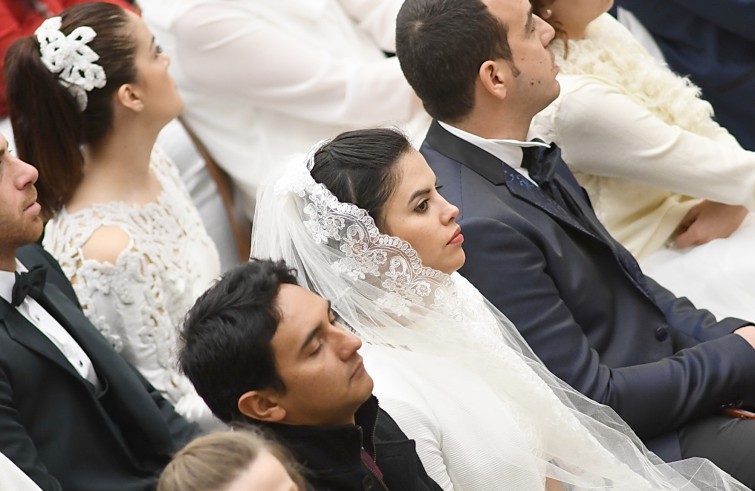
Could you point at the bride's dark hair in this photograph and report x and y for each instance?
(359, 167)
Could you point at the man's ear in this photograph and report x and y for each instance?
(128, 96)
(494, 76)
(261, 405)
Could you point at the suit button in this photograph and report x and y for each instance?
(368, 483)
(661, 334)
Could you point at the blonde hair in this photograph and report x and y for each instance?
(212, 462)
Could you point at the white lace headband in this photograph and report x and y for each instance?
(70, 58)
(310, 159)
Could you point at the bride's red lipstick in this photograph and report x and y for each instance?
(457, 237)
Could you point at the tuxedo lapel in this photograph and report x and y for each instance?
(25, 333)
(76, 324)
(498, 173)
(131, 407)
(523, 189)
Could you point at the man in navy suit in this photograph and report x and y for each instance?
(536, 250)
(73, 414)
(714, 43)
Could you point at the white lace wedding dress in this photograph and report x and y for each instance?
(139, 302)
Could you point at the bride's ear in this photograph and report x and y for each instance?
(128, 97)
(261, 405)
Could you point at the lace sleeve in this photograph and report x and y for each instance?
(126, 303)
(138, 301)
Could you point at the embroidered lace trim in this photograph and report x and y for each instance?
(384, 260)
(139, 302)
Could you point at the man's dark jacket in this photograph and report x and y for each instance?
(60, 430)
(610, 332)
(332, 456)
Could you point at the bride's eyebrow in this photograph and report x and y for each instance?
(417, 194)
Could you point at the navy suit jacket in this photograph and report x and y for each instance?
(621, 340)
(55, 426)
(712, 41)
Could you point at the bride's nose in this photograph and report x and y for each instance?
(450, 212)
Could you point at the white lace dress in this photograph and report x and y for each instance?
(139, 302)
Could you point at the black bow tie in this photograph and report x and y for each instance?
(540, 162)
(29, 283)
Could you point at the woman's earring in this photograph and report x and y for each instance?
(139, 106)
(547, 13)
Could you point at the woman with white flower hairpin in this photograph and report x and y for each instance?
(88, 95)
(365, 227)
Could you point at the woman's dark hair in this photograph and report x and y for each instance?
(359, 167)
(47, 124)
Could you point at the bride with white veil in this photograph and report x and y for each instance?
(448, 366)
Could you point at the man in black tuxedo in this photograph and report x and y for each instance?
(73, 414)
(536, 250)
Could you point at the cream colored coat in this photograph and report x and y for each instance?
(639, 139)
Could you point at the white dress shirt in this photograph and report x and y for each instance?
(47, 325)
(13, 479)
(509, 151)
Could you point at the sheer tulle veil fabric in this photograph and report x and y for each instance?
(380, 288)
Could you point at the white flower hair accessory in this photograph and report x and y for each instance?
(70, 58)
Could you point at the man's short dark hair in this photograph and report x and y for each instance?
(441, 45)
(226, 338)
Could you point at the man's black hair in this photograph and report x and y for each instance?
(226, 338)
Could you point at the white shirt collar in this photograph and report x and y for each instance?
(8, 279)
(509, 151)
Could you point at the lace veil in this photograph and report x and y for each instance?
(381, 290)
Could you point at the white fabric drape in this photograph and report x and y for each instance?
(264, 79)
